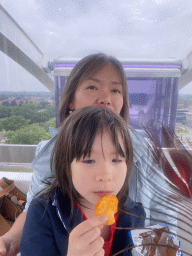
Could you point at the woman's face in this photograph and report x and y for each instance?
(104, 88)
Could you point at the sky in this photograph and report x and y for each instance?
(76, 28)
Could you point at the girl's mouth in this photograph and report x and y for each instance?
(102, 193)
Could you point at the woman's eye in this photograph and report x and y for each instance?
(92, 87)
(117, 160)
(89, 161)
(116, 91)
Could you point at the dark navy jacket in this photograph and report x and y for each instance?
(46, 233)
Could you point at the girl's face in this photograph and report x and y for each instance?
(102, 171)
(104, 88)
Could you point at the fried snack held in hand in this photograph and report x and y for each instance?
(108, 206)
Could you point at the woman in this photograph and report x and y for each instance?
(97, 79)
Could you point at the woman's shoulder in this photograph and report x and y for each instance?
(44, 148)
(43, 143)
(40, 146)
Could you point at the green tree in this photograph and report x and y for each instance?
(50, 123)
(39, 117)
(4, 111)
(13, 103)
(25, 110)
(5, 103)
(39, 107)
(13, 123)
(50, 110)
(30, 135)
(17, 111)
(21, 103)
(44, 103)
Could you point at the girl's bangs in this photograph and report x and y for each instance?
(83, 142)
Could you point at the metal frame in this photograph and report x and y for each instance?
(132, 67)
(16, 44)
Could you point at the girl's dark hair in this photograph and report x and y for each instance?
(75, 139)
(86, 68)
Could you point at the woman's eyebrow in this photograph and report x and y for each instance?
(98, 81)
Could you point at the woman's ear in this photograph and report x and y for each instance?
(71, 106)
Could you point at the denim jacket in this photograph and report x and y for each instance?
(138, 186)
(47, 232)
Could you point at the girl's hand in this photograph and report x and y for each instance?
(85, 239)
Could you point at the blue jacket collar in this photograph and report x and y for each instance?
(63, 207)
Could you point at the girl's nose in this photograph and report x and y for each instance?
(104, 178)
(105, 174)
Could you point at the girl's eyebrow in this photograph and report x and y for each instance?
(98, 81)
(114, 153)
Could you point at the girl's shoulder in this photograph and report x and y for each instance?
(44, 150)
(134, 207)
(135, 214)
(41, 200)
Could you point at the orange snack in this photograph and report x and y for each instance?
(108, 206)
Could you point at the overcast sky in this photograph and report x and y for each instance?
(76, 28)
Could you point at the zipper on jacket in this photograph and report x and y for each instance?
(59, 214)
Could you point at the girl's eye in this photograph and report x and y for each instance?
(117, 160)
(89, 161)
(92, 87)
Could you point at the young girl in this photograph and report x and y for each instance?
(93, 152)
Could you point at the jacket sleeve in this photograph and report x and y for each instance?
(38, 235)
(41, 169)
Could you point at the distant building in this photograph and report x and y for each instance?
(180, 106)
(181, 115)
(189, 119)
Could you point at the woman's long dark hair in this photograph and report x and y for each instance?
(75, 139)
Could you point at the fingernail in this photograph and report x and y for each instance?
(103, 218)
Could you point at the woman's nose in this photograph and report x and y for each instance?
(104, 98)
